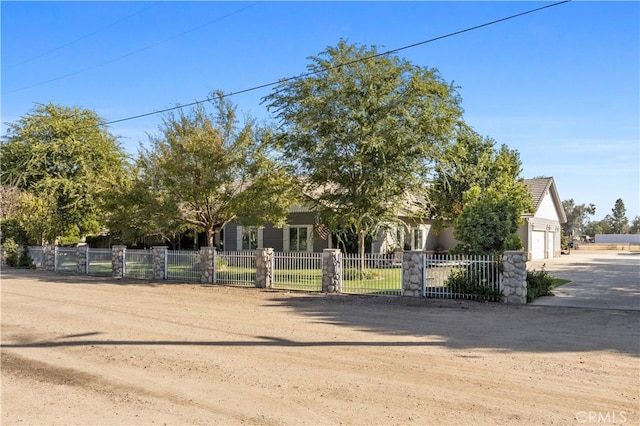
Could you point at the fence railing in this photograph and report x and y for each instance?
(99, 262)
(138, 264)
(443, 276)
(297, 271)
(66, 259)
(235, 267)
(37, 255)
(373, 274)
(182, 265)
(466, 277)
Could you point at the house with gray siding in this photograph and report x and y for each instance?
(540, 232)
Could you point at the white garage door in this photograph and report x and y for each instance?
(551, 244)
(537, 245)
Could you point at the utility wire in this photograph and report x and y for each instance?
(132, 53)
(81, 38)
(262, 86)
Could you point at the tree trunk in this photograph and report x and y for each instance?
(210, 237)
(361, 248)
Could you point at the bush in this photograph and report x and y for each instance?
(25, 261)
(539, 283)
(11, 252)
(356, 274)
(473, 282)
(11, 229)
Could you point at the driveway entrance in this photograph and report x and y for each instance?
(599, 279)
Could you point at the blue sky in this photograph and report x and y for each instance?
(561, 86)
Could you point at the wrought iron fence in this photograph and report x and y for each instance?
(463, 277)
(138, 264)
(99, 261)
(373, 274)
(37, 255)
(446, 276)
(65, 259)
(235, 267)
(183, 265)
(297, 271)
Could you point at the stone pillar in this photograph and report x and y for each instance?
(49, 258)
(82, 257)
(207, 265)
(159, 256)
(413, 273)
(117, 261)
(514, 277)
(264, 268)
(331, 271)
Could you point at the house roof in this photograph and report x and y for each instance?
(538, 188)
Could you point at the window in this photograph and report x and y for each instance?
(418, 239)
(249, 238)
(298, 238)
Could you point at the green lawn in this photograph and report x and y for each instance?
(557, 282)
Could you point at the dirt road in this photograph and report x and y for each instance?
(81, 350)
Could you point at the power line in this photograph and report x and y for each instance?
(55, 49)
(262, 86)
(132, 53)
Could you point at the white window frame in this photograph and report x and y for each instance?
(423, 238)
(286, 233)
(242, 230)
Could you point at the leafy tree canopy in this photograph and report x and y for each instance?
(488, 222)
(577, 217)
(63, 161)
(635, 226)
(471, 161)
(364, 129)
(204, 170)
(618, 219)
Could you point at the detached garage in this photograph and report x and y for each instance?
(541, 232)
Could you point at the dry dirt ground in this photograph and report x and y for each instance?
(82, 350)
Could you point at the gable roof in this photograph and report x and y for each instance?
(538, 188)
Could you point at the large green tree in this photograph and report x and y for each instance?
(363, 129)
(474, 160)
(618, 219)
(206, 170)
(140, 207)
(488, 222)
(577, 217)
(599, 227)
(64, 161)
